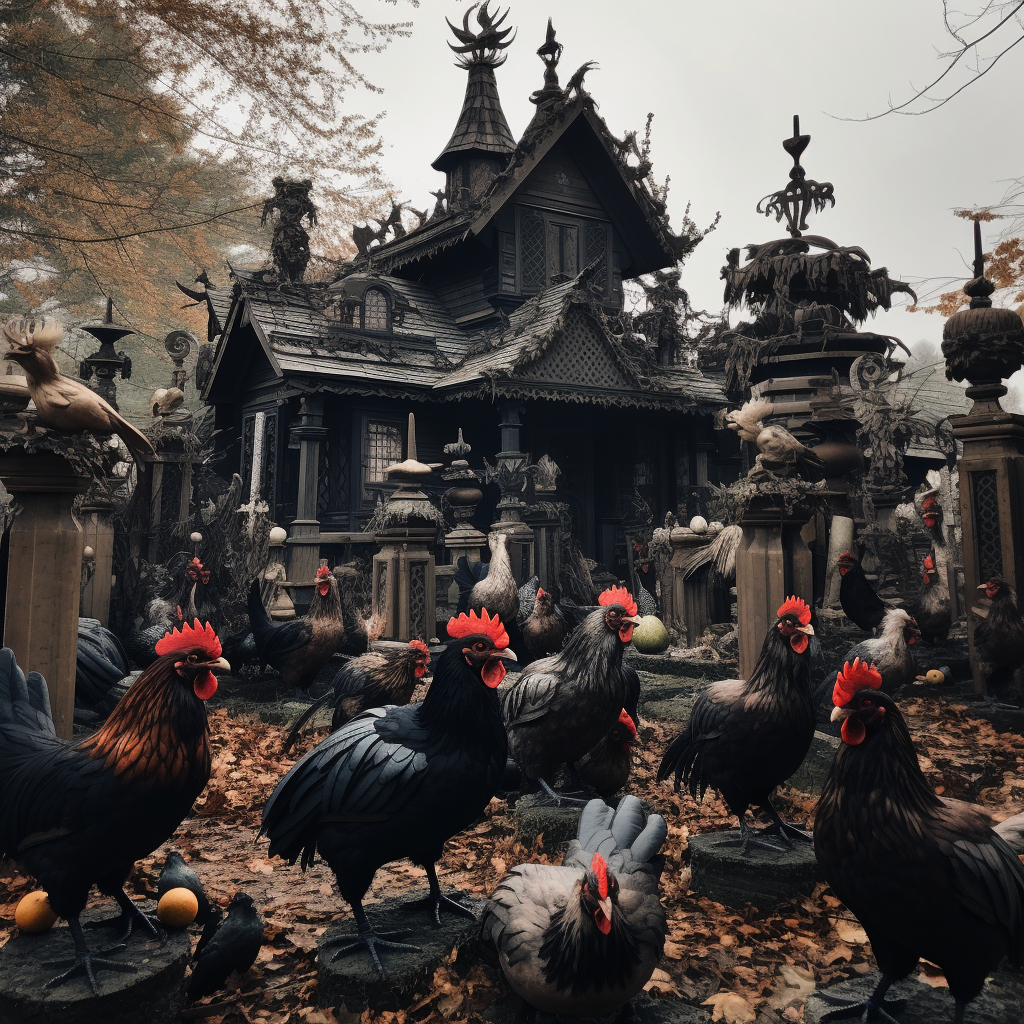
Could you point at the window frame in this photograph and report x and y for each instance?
(388, 320)
(554, 219)
(368, 496)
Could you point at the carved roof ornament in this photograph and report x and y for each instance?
(794, 202)
(983, 344)
(481, 48)
(290, 245)
(550, 53)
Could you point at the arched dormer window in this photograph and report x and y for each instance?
(376, 310)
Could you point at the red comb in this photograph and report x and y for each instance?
(928, 562)
(851, 678)
(482, 624)
(795, 606)
(600, 868)
(419, 645)
(846, 554)
(625, 720)
(619, 595)
(323, 572)
(930, 502)
(541, 591)
(190, 638)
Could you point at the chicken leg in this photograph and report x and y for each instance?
(84, 961)
(367, 937)
(874, 1008)
(783, 829)
(437, 899)
(130, 918)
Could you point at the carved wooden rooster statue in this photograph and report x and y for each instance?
(60, 401)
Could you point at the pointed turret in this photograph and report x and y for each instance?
(482, 142)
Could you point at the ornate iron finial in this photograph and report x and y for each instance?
(981, 287)
(105, 364)
(459, 449)
(549, 53)
(481, 48)
(795, 200)
(290, 245)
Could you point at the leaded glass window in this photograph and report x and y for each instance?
(375, 311)
(534, 260)
(382, 447)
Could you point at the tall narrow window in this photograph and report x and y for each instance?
(533, 258)
(382, 447)
(596, 255)
(563, 251)
(375, 311)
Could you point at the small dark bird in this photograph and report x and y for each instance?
(999, 637)
(544, 630)
(373, 680)
(234, 946)
(68, 404)
(582, 939)
(300, 648)
(927, 877)
(606, 768)
(176, 874)
(744, 738)
(400, 781)
(934, 613)
(858, 598)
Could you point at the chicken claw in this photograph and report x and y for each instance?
(372, 941)
(437, 899)
(875, 1008)
(129, 920)
(85, 962)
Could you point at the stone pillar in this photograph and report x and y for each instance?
(304, 533)
(44, 575)
(691, 604)
(512, 471)
(840, 540)
(98, 534)
(772, 563)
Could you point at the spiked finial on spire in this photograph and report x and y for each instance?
(483, 47)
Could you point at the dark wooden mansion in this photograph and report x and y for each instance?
(506, 300)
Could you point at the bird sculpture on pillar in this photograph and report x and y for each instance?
(61, 402)
(779, 451)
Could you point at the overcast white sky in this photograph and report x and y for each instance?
(723, 80)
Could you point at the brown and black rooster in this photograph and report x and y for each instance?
(400, 781)
(544, 630)
(999, 637)
(858, 598)
(372, 680)
(927, 877)
(934, 613)
(78, 815)
(300, 648)
(582, 939)
(560, 708)
(606, 768)
(744, 738)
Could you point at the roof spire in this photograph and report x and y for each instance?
(483, 47)
(549, 53)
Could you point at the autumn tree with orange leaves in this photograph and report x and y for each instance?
(138, 139)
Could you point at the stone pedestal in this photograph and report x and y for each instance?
(537, 816)
(693, 603)
(761, 877)
(352, 979)
(154, 992)
(772, 563)
(44, 575)
(404, 585)
(840, 540)
(98, 533)
(991, 501)
(547, 547)
(304, 532)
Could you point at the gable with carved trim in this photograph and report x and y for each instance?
(578, 355)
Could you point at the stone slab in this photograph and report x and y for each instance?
(535, 816)
(1001, 1001)
(1003, 719)
(761, 877)
(155, 993)
(665, 664)
(353, 979)
(811, 775)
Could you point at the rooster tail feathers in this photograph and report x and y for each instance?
(720, 554)
(320, 702)
(622, 836)
(467, 576)
(24, 701)
(375, 626)
(259, 618)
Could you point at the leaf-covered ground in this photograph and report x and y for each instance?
(744, 967)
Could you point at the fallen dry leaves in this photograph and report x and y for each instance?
(742, 966)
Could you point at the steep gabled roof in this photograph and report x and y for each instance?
(481, 127)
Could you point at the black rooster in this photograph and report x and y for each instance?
(101, 664)
(400, 781)
(999, 637)
(746, 738)
(78, 815)
(926, 877)
(858, 598)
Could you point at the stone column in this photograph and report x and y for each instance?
(691, 605)
(772, 563)
(98, 533)
(512, 472)
(304, 532)
(44, 574)
(840, 540)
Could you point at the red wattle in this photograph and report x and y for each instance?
(604, 926)
(625, 635)
(799, 642)
(419, 671)
(325, 589)
(493, 672)
(205, 686)
(853, 731)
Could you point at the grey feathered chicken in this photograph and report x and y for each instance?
(999, 637)
(544, 629)
(584, 938)
(560, 708)
(489, 585)
(779, 450)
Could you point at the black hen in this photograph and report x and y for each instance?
(233, 946)
(400, 781)
(927, 877)
(858, 598)
(176, 874)
(744, 738)
(100, 665)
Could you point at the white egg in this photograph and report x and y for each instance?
(699, 524)
(196, 537)
(278, 535)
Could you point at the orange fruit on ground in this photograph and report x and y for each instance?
(933, 675)
(34, 913)
(177, 908)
